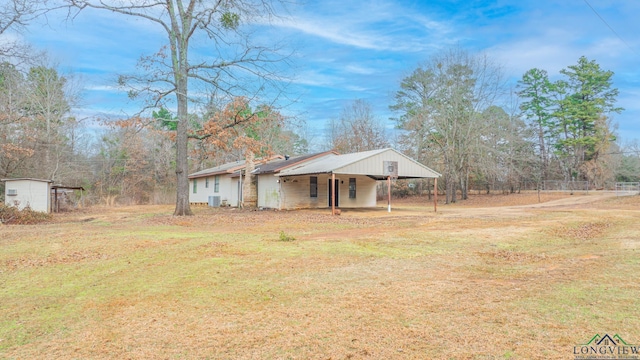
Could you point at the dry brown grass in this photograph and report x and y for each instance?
(470, 282)
(493, 199)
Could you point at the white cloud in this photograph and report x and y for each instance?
(337, 33)
(106, 88)
(358, 69)
(380, 26)
(356, 88)
(314, 78)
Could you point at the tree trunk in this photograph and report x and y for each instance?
(450, 189)
(464, 186)
(454, 191)
(543, 151)
(182, 162)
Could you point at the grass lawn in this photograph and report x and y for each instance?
(475, 281)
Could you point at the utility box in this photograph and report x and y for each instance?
(214, 201)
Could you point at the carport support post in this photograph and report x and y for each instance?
(240, 190)
(333, 193)
(389, 193)
(435, 195)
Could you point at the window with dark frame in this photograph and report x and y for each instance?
(206, 183)
(216, 184)
(313, 186)
(352, 188)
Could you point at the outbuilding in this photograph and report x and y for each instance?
(27, 192)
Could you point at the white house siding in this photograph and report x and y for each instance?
(203, 192)
(226, 184)
(268, 191)
(200, 195)
(296, 192)
(365, 192)
(235, 187)
(33, 193)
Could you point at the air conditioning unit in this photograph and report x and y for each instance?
(214, 201)
(12, 192)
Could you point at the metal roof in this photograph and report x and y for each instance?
(230, 168)
(227, 168)
(30, 179)
(368, 163)
(279, 165)
(59, 186)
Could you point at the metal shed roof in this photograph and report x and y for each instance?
(30, 179)
(369, 163)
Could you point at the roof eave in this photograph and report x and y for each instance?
(30, 179)
(222, 172)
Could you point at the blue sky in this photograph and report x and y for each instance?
(347, 50)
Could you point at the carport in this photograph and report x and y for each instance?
(383, 164)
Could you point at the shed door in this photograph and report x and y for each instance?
(337, 191)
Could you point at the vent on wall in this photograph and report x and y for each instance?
(12, 192)
(214, 201)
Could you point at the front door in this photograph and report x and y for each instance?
(337, 191)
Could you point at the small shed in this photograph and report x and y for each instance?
(27, 192)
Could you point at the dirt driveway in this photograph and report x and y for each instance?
(567, 203)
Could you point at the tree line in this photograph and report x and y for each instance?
(455, 113)
(461, 117)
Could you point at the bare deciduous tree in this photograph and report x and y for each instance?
(232, 60)
(357, 129)
(15, 16)
(123, 170)
(38, 136)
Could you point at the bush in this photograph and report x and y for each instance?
(285, 237)
(10, 215)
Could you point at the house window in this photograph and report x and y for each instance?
(313, 186)
(195, 186)
(216, 184)
(206, 183)
(352, 188)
